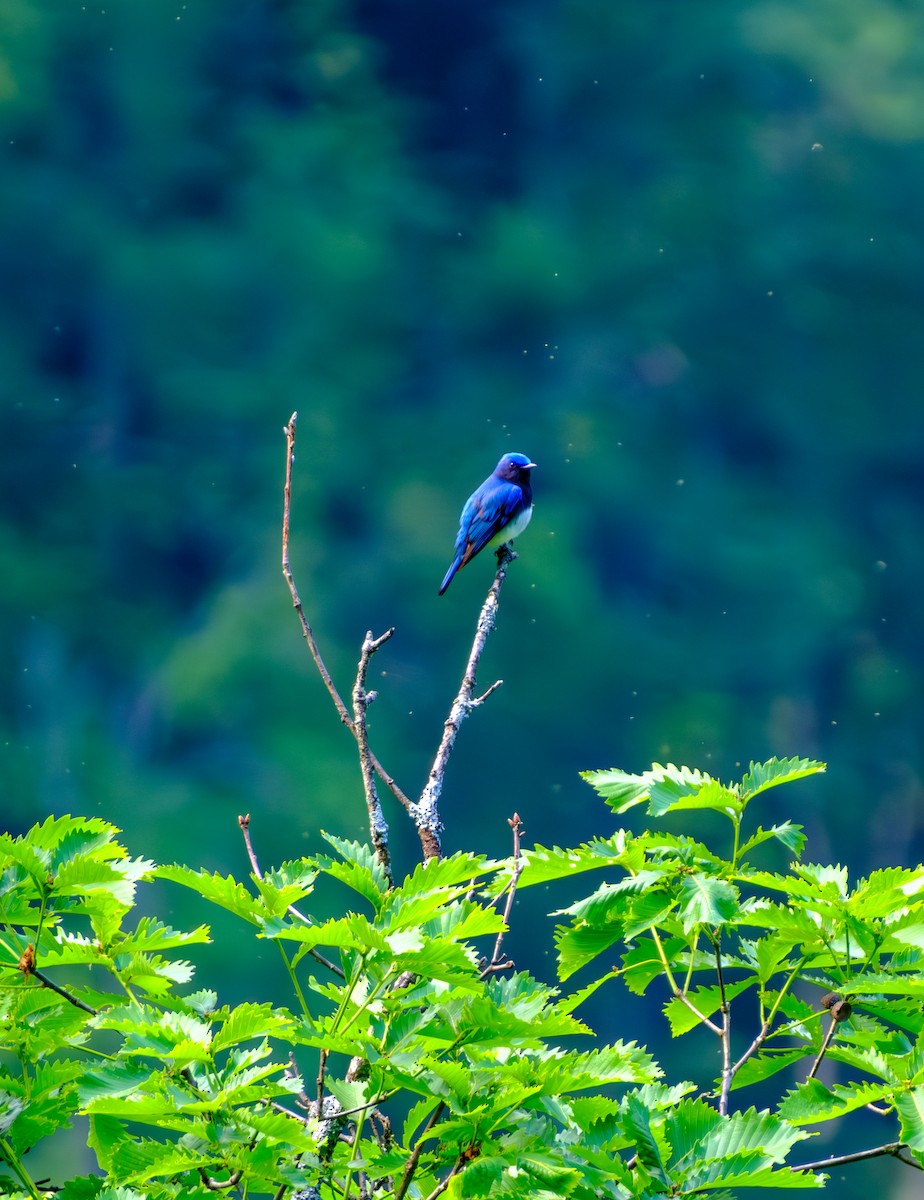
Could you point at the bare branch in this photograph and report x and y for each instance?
(411, 1165)
(496, 964)
(378, 826)
(426, 811)
(824, 1046)
(444, 1183)
(894, 1149)
(388, 780)
(27, 965)
(62, 992)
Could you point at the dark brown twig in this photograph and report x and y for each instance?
(894, 1149)
(411, 1165)
(824, 1046)
(444, 1183)
(426, 811)
(725, 1010)
(27, 965)
(63, 993)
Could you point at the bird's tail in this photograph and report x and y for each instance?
(456, 563)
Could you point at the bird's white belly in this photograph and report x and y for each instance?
(513, 528)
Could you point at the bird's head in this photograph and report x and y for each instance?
(515, 467)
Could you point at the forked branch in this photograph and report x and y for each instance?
(425, 812)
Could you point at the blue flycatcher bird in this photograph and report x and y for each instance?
(497, 512)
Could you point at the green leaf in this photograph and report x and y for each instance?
(761, 776)
(226, 892)
(446, 875)
(707, 1001)
(761, 1132)
(107, 1134)
(637, 1122)
(666, 788)
(150, 935)
(611, 899)
(248, 1021)
(86, 877)
(706, 900)
(765, 1065)
(360, 869)
(812, 1102)
(579, 946)
(642, 964)
(791, 836)
(910, 1108)
(543, 865)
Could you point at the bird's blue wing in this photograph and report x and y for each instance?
(485, 515)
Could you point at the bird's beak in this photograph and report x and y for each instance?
(529, 466)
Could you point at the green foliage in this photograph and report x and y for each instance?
(408, 1063)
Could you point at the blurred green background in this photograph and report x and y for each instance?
(672, 251)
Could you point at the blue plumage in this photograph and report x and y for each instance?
(497, 512)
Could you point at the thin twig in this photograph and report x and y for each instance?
(894, 1149)
(678, 992)
(411, 1165)
(752, 1049)
(426, 811)
(244, 823)
(27, 965)
(444, 1183)
(495, 964)
(388, 780)
(824, 1046)
(725, 1010)
(378, 826)
(66, 995)
(215, 1185)
(322, 1064)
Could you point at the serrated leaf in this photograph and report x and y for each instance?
(369, 877)
(642, 964)
(87, 877)
(812, 1102)
(542, 864)
(152, 935)
(752, 1130)
(910, 1108)
(765, 1065)
(706, 900)
(775, 771)
(579, 946)
(458, 871)
(350, 1095)
(737, 1173)
(706, 1000)
(637, 1123)
(248, 1021)
(790, 835)
(666, 788)
(418, 1113)
(611, 900)
(225, 891)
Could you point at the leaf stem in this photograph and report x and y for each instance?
(22, 1175)
(681, 995)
